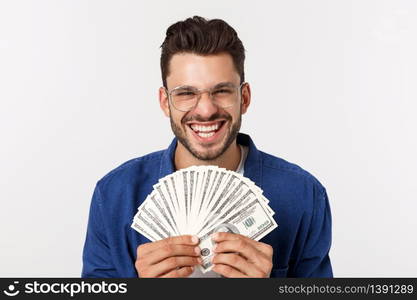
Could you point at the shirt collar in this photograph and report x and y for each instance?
(253, 164)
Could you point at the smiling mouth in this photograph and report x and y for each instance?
(206, 130)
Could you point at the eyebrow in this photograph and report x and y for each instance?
(219, 85)
(223, 84)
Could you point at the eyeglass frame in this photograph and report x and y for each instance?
(200, 93)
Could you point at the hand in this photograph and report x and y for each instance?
(170, 257)
(239, 256)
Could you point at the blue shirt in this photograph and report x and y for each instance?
(301, 242)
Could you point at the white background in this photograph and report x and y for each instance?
(334, 87)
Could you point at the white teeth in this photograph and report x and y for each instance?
(205, 135)
(205, 128)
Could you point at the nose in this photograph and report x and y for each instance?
(205, 106)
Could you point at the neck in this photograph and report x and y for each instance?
(229, 159)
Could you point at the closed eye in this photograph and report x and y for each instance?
(222, 91)
(185, 93)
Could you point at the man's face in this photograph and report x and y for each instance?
(207, 130)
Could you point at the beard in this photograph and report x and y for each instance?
(208, 154)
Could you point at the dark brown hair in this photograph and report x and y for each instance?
(201, 36)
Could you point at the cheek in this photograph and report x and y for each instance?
(177, 118)
(235, 115)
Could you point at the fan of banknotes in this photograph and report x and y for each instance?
(201, 200)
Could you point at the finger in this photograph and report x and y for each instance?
(266, 249)
(171, 264)
(262, 262)
(228, 271)
(182, 272)
(170, 250)
(227, 236)
(174, 240)
(240, 246)
(239, 263)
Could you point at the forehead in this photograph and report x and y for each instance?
(201, 71)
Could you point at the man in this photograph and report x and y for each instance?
(204, 95)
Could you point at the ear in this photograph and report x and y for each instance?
(164, 101)
(246, 97)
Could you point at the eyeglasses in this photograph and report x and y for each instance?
(186, 98)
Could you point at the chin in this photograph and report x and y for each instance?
(202, 153)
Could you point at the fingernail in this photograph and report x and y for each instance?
(197, 250)
(194, 239)
(200, 261)
(212, 258)
(214, 247)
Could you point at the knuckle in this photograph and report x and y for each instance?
(215, 259)
(265, 269)
(173, 239)
(173, 273)
(141, 248)
(142, 268)
(234, 259)
(221, 235)
(241, 243)
(167, 241)
(185, 239)
(176, 261)
(219, 247)
(177, 273)
(258, 256)
(172, 262)
(240, 236)
(269, 250)
(138, 265)
(188, 250)
(167, 248)
(227, 270)
(180, 239)
(269, 265)
(143, 272)
(184, 271)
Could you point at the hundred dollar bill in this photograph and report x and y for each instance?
(200, 200)
(145, 226)
(167, 205)
(233, 195)
(252, 221)
(143, 231)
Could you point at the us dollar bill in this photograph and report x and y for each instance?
(252, 221)
(201, 200)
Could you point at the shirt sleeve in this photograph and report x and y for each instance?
(315, 260)
(97, 261)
